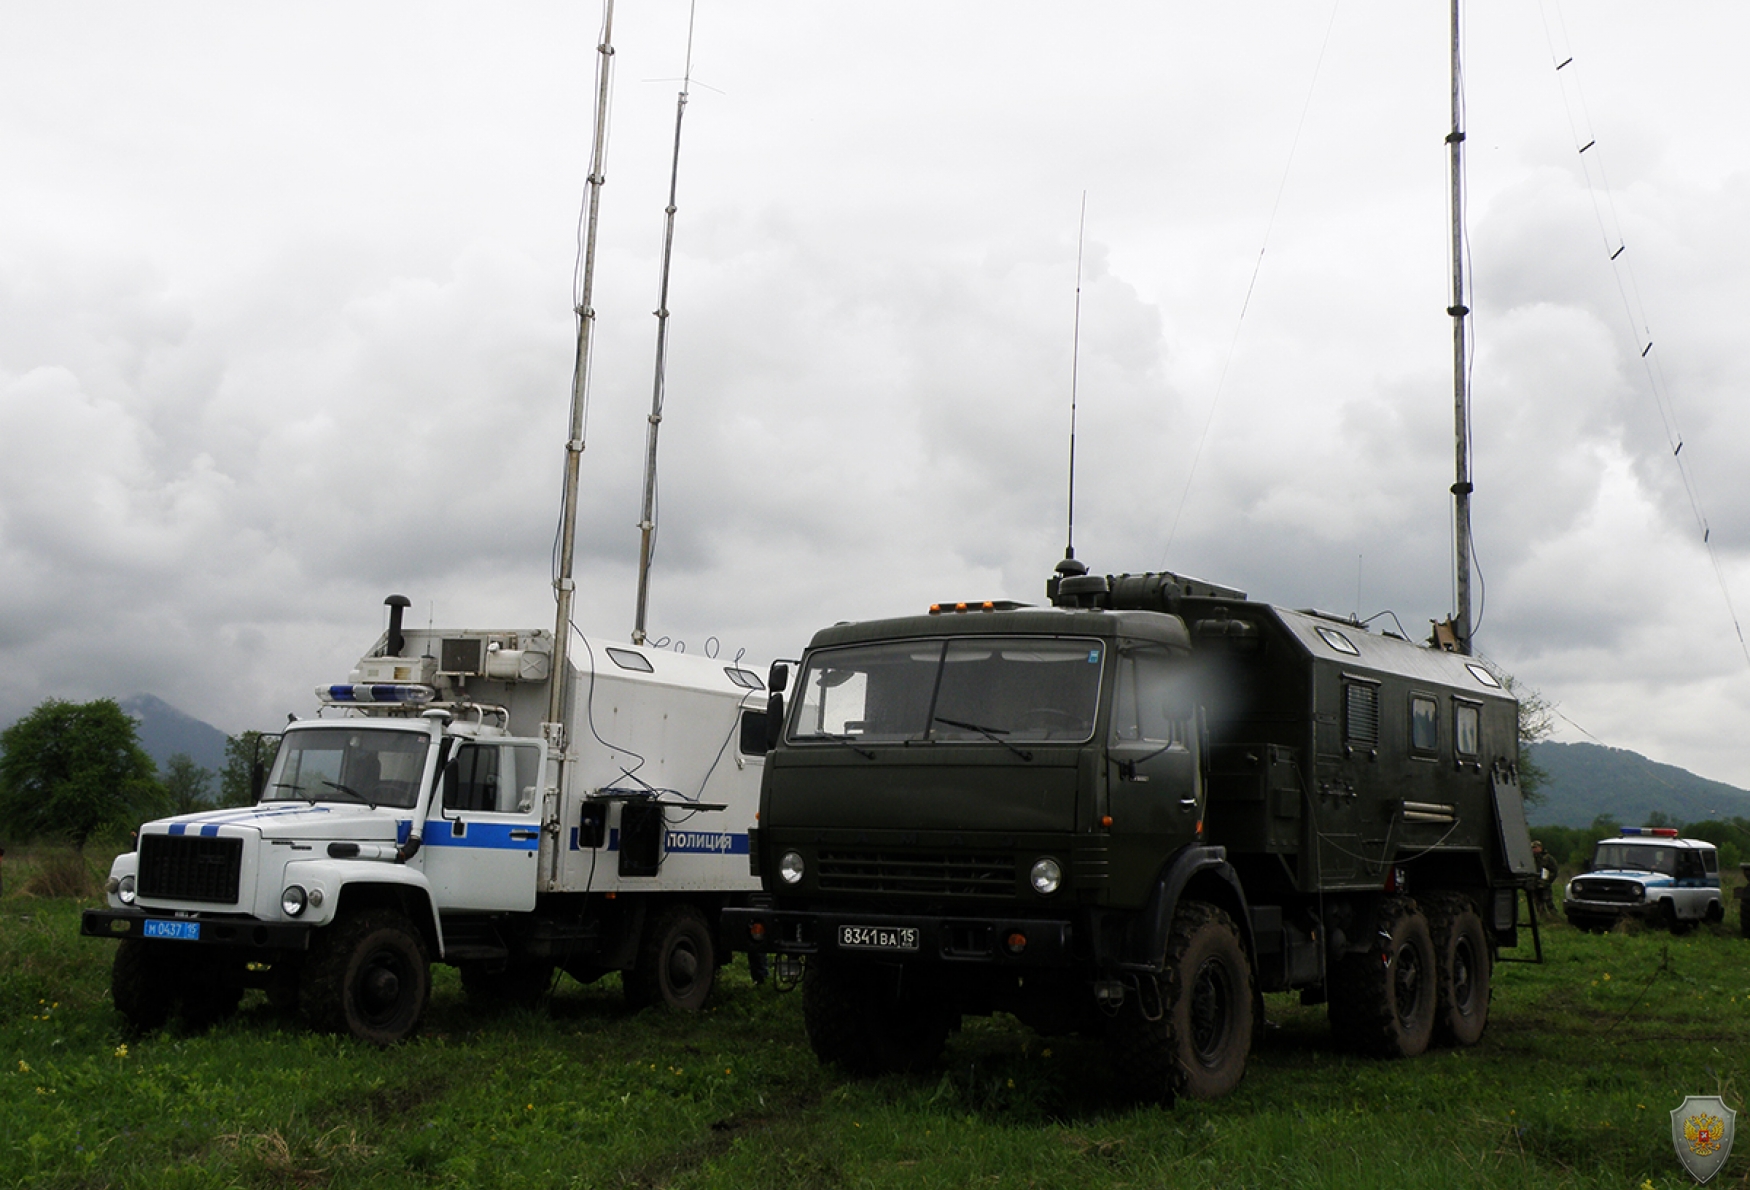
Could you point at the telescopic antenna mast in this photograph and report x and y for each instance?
(563, 584)
(647, 522)
(1461, 486)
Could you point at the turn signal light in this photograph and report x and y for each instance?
(757, 931)
(1017, 943)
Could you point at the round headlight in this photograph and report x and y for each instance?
(790, 868)
(292, 900)
(1046, 875)
(124, 890)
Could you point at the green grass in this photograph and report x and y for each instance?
(1572, 1085)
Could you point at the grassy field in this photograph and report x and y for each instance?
(1572, 1085)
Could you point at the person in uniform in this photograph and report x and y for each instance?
(1542, 892)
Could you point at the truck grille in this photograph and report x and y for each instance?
(1626, 892)
(190, 868)
(924, 875)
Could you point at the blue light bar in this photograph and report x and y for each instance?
(1634, 830)
(381, 692)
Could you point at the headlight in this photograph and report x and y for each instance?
(790, 868)
(124, 890)
(293, 900)
(1046, 875)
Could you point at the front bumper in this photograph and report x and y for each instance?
(238, 933)
(1577, 909)
(1017, 942)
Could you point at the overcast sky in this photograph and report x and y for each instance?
(285, 326)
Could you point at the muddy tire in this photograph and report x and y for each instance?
(869, 1020)
(1198, 1042)
(519, 983)
(677, 962)
(1669, 919)
(367, 975)
(1382, 1001)
(142, 985)
(1464, 965)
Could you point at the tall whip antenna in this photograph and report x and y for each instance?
(563, 585)
(647, 522)
(1069, 565)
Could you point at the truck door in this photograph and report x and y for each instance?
(1155, 789)
(483, 834)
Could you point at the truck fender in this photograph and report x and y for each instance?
(1216, 882)
(368, 882)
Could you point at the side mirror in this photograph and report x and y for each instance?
(257, 780)
(778, 677)
(774, 717)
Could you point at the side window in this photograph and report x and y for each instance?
(1689, 865)
(474, 785)
(1153, 701)
(1424, 724)
(1710, 861)
(520, 790)
(1466, 728)
(1360, 714)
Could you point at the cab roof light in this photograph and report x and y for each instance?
(380, 692)
(976, 605)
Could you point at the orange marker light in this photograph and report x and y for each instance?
(1017, 943)
(1106, 820)
(756, 930)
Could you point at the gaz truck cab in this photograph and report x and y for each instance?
(1649, 874)
(1132, 813)
(427, 813)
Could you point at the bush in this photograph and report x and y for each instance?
(60, 872)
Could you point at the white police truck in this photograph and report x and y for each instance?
(427, 812)
(1650, 874)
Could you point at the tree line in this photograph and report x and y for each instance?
(1571, 846)
(70, 772)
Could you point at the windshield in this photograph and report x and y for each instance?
(1011, 689)
(342, 764)
(1632, 857)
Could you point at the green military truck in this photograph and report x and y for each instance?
(1131, 813)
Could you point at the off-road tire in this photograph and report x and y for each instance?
(866, 1020)
(677, 962)
(1199, 1043)
(142, 985)
(1669, 919)
(1464, 964)
(1715, 914)
(1382, 1000)
(367, 975)
(518, 983)
(1744, 917)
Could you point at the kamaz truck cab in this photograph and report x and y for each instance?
(1132, 813)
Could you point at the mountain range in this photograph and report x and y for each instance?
(1584, 780)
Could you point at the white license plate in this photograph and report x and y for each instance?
(878, 938)
(184, 931)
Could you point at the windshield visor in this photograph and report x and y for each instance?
(977, 689)
(340, 764)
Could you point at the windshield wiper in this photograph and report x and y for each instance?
(846, 740)
(349, 791)
(990, 733)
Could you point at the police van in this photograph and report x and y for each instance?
(1650, 874)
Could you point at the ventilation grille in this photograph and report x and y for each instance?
(1361, 715)
(922, 875)
(190, 868)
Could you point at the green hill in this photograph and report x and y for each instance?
(1587, 780)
